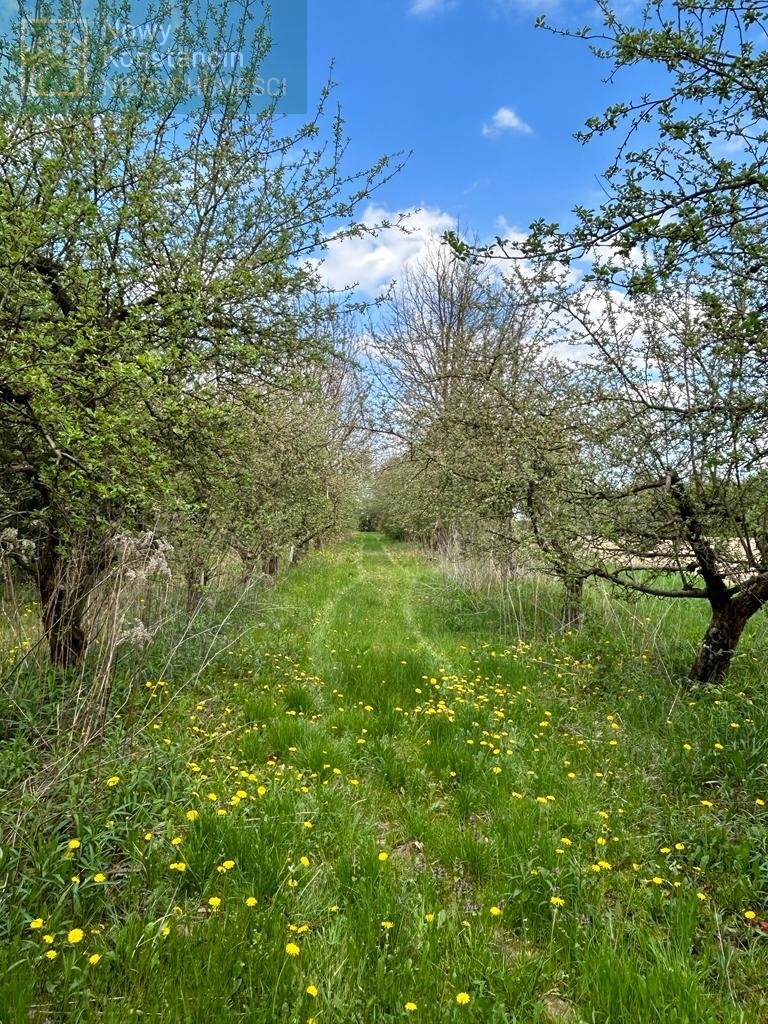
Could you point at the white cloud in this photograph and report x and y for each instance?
(370, 262)
(427, 7)
(506, 120)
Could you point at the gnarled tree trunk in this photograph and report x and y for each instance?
(573, 602)
(730, 615)
(64, 582)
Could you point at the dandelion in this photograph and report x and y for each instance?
(304, 861)
(177, 841)
(48, 939)
(99, 877)
(94, 958)
(147, 836)
(429, 918)
(312, 991)
(383, 856)
(178, 865)
(557, 901)
(387, 924)
(292, 949)
(214, 902)
(51, 954)
(411, 1007)
(308, 824)
(37, 923)
(75, 935)
(495, 911)
(750, 915)
(250, 901)
(463, 998)
(73, 844)
(113, 781)
(657, 881)
(701, 896)
(192, 815)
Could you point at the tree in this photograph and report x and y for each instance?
(683, 238)
(152, 254)
(670, 497)
(480, 412)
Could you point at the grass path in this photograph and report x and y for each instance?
(374, 809)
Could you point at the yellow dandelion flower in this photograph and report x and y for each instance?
(192, 815)
(383, 856)
(411, 1007)
(750, 915)
(495, 911)
(75, 935)
(292, 949)
(557, 901)
(73, 844)
(463, 998)
(37, 923)
(214, 902)
(251, 901)
(99, 877)
(94, 958)
(51, 954)
(312, 991)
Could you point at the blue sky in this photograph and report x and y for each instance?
(431, 76)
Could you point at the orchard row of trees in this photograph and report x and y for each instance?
(171, 366)
(593, 402)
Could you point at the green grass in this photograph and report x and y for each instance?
(378, 710)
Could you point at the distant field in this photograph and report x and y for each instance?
(377, 804)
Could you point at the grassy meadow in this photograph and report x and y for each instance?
(376, 803)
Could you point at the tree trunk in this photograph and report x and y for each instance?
(573, 602)
(730, 614)
(719, 644)
(64, 586)
(272, 565)
(196, 577)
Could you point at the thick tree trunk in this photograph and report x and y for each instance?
(573, 602)
(196, 577)
(718, 645)
(272, 565)
(64, 587)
